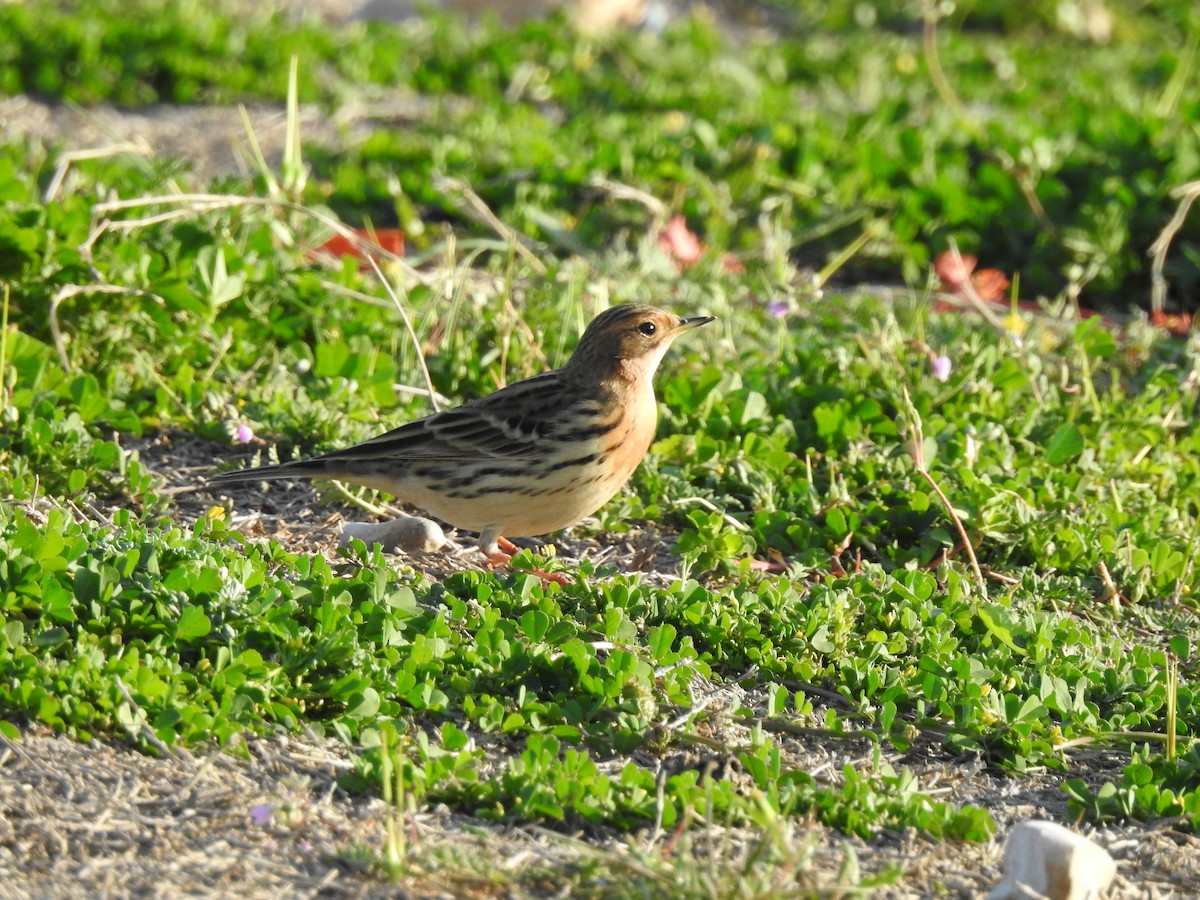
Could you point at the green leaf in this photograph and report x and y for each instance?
(192, 624)
(1065, 444)
(534, 624)
(367, 705)
(454, 738)
(13, 634)
(661, 639)
(1180, 646)
(998, 622)
(50, 639)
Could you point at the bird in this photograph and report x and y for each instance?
(531, 458)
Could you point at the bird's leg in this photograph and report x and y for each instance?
(507, 548)
(500, 551)
(490, 545)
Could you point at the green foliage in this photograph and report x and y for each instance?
(51, 423)
(148, 51)
(810, 139)
(1150, 788)
(1015, 448)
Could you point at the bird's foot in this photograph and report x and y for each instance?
(502, 556)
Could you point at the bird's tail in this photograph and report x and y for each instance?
(301, 468)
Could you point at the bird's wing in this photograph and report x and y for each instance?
(508, 424)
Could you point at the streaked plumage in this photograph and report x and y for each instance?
(531, 458)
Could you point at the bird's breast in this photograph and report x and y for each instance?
(627, 445)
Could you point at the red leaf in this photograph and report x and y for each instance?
(389, 239)
(990, 284)
(731, 265)
(1175, 324)
(683, 246)
(954, 269)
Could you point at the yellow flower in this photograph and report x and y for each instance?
(1015, 324)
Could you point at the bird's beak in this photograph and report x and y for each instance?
(693, 322)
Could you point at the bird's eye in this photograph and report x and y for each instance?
(647, 328)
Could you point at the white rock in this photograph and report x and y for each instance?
(1045, 860)
(404, 533)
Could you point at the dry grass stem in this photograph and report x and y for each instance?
(1187, 194)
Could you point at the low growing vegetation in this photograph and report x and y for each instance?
(823, 449)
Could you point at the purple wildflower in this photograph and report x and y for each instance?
(261, 815)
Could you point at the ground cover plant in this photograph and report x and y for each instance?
(895, 529)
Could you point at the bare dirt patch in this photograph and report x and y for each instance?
(270, 820)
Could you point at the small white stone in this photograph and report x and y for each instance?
(1045, 860)
(405, 533)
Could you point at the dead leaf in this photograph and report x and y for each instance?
(990, 284)
(1174, 324)
(954, 269)
(680, 243)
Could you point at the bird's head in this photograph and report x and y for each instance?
(628, 342)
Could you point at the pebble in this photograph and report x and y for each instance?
(1044, 859)
(408, 533)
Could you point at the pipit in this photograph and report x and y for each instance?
(533, 457)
